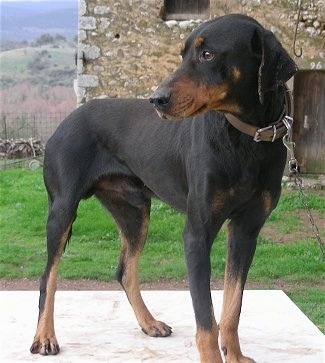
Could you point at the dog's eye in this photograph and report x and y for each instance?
(206, 56)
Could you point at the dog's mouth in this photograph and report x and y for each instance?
(180, 115)
(191, 112)
(178, 108)
(161, 114)
(174, 101)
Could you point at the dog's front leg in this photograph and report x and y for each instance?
(241, 248)
(197, 252)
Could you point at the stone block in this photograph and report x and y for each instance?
(90, 51)
(87, 22)
(87, 80)
(101, 10)
(82, 7)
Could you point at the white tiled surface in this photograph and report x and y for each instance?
(100, 327)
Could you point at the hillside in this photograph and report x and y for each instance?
(52, 65)
(38, 78)
(38, 56)
(26, 20)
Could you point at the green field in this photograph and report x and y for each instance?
(287, 256)
(38, 65)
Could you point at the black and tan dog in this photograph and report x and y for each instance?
(232, 78)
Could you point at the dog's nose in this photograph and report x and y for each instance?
(160, 97)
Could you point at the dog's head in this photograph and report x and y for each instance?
(227, 61)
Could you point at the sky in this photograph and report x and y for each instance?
(31, 0)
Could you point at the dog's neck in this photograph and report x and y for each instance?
(266, 123)
(275, 103)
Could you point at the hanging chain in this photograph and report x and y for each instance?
(294, 171)
(303, 199)
(294, 48)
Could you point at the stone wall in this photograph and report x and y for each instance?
(120, 52)
(125, 49)
(312, 18)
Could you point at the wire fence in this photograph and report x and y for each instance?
(23, 135)
(29, 125)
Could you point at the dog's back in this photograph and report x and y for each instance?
(233, 73)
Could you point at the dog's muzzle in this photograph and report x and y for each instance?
(161, 100)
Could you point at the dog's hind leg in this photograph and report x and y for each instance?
(59, 224)
(132, 217)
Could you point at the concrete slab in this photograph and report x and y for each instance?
(100, 327)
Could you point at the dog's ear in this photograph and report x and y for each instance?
(276, 66)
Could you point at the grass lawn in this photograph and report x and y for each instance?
(287, 255)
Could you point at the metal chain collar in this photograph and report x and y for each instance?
(294, 171)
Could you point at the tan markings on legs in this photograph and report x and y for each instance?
(130, 282)
(207, 343)
(45, 341)
(220, 198)
(230, 319)
(231, 307)
(45, 334)
(267, 203)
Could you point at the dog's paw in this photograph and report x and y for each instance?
(247, 360)
(157, 329)
(236, 357)
(241, 359)
(45, 347)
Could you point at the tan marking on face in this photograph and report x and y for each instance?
(216, 95)
(187, 98)
(236, 73)
(190, 99)
(217, 99)
(198, 42)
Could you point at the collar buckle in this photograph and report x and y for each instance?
(257, 136)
